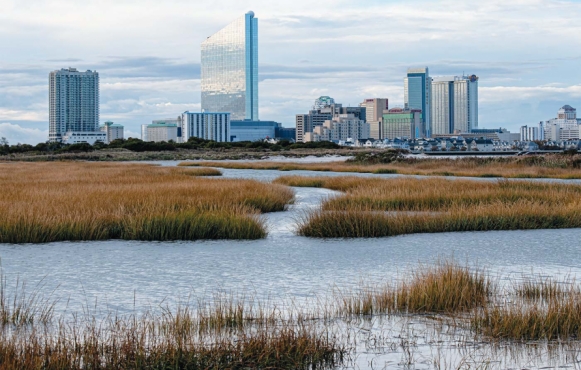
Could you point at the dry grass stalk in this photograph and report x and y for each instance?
(46, 202)
(204, 171)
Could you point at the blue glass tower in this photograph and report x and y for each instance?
(230, 69)
(418, 94)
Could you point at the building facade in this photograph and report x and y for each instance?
(564, 127)
(418, 94)
(454, 104)
(229, 66)
(374, 109)
(340, 128)
(160, 131)
(112, 131)
(207, 126)
(253, 130)
(73, 103)
(324, 109)
(403, 123)
(529, 133)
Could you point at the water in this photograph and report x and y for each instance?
(128, 276)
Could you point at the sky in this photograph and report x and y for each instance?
(527, 54)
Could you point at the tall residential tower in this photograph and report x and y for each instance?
(454, 104)
(73, 104)
(418, 94)
(230, 70)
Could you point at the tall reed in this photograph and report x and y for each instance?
(46, 202)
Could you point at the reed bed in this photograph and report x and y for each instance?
(445, 288)
(387, 207)
(204, 171)
(47, 202)
(542, 166)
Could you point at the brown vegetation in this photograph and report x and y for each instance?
(46, 202)
(375, 207)
(542, 166)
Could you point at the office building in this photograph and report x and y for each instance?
(112, 131)
(324, 108)
(73, 104)
(403, 124)
(418, 94)
(286, 133)
(253, 130)
(454, 104)
(529, 133)
(374, 109)
(229, 66)
(564, 127)
(340, 128)
(207, 126)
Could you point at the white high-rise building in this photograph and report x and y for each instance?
(208, 126)
(564, 127)
(529, 133)
(454, 104)
(73, 104)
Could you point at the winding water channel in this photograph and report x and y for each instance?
(123, 276)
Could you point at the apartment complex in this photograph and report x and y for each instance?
(229, 70)
(73, 105)
(324, 109)
(340, 128)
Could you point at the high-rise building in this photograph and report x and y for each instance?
(454, 104)
(230, 70)
(73, 104)
(207, 126)
(374, 109)
(418, 94)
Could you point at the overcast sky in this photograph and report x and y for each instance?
(527, 54)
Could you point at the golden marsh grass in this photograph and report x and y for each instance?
(47, 202)
(374, 207)
(543, 166)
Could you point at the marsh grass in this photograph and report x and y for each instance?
(542, 166)
(47, 202)
(374, 207)
(445, 288)
(539, 288)
(204, 171)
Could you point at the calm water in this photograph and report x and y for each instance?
(125, 276)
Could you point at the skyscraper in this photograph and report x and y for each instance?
(230, 70)
(374, 109)
(418, 94)
(454, 104)
(73, 103)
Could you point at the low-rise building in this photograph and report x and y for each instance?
(248, 130)
(162, 131)
(78, 137)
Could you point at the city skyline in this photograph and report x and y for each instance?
(146, 74)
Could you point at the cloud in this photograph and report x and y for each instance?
(23, 135)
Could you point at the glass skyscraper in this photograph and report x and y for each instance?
(230, 70)
(418, 94)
